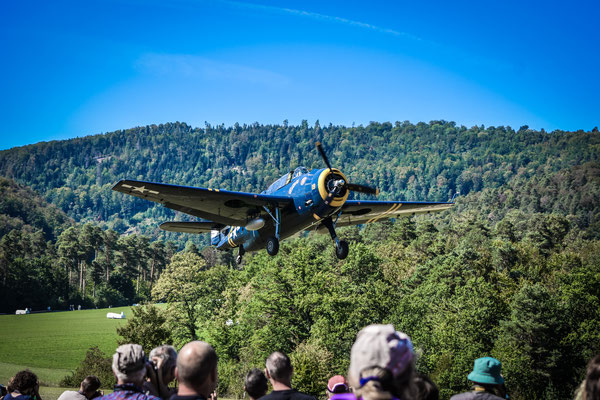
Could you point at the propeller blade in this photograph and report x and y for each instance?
(362, 189)
(320, 148)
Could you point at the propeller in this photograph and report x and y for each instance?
(320, 148)
(350, 186)
(363, 189)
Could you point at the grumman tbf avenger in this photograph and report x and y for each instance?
(300, 200)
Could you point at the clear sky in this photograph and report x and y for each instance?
(74, 68)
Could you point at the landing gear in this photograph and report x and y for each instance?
(241, 252)
(341, 249)
(272, 245)
(273, 241)
(341, 246)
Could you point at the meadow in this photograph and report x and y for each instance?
(53, 344)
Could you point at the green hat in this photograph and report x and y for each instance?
(487, 371)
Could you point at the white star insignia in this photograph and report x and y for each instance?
(142, 190)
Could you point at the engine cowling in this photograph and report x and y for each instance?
(332, 195)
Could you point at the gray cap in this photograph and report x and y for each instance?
(129, 358)
(380, 346)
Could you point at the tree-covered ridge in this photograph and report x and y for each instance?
(573, 192)
(406, 161)
(23, 209)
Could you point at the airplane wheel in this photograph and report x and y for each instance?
(341, 250)
(272, 246)
(238, 260)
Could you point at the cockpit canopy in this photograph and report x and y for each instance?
(285, 179)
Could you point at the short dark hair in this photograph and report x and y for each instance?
(256, 383)
(24, 382)
(90, 384)
(279, 367)
(426, 388)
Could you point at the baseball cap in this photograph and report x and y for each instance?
(337, 384)
(380, 346)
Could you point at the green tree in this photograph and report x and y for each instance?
(181, 285)
(147, 327)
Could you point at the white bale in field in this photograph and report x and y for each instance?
(113, 315)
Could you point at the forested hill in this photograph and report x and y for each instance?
(24, 210)
(406, 161)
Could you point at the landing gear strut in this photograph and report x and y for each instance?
(273, 241)
(341, 246)
(241, 252)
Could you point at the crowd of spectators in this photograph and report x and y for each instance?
(382, 367)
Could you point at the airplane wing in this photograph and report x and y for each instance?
(191, 227)
(220, 206)
(356, 212)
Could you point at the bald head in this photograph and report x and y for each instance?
(279, 367)
(196, 363)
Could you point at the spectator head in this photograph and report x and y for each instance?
(426, 389)
(337, 384)
(197, 369)
(165, 357)
(382, 363)
(129, 364)
(592, 379)
(256, 384)
(486, 372)
(24, 382)
(89, 386)
(279, 368)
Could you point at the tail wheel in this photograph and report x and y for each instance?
(342, 249)
(272, 246)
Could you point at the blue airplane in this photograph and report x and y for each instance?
(300, 200)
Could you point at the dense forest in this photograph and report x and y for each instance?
(405, 161)
(512, 271)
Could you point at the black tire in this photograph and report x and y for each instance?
(238, 260)
(272, 246)
(342, 249)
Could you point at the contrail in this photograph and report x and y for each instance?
(324, 17)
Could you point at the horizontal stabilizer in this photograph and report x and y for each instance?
(191, 227)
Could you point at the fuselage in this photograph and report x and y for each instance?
(312, 199)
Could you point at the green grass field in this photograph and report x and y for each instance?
(53, 344)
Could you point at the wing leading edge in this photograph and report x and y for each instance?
(220, 206)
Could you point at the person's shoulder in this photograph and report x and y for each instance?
(475, 395)
(269, 396)
(296, 395)
(463, 396)
(71, 395)
(291, 394)
(193, 397)
(110, 396)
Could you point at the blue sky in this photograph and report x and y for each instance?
(74, 68)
